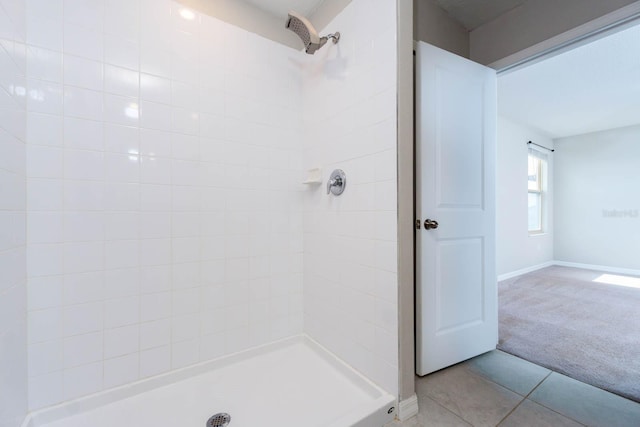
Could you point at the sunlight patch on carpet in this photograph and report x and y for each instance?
(617, 280)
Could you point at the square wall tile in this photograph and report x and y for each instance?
(82, 349)
(82, 380)
(45, 390)
(121, 370)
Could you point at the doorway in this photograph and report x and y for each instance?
(567, 256)
(554, 41)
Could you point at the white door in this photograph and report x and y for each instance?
(456, 291)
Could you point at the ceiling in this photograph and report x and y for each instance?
(588, 89)
(474, 13)
(470, 13)
(282, 7)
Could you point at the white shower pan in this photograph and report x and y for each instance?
(291, 383)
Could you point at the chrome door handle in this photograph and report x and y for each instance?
(430, 224)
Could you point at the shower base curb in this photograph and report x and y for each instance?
(382, 408)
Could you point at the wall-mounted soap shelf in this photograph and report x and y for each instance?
(314, 177)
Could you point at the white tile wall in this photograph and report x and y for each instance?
(13, 238)
(350, 241)
(166, 222)
(164, 204)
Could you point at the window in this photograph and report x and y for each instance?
(536, 174)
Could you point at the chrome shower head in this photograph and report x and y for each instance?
(309, 36)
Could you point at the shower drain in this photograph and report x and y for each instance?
(219, 420)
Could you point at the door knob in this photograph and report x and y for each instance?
(430, 224)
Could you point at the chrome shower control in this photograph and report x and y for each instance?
(337, 182)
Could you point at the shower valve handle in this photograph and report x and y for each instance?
(333, 182)
(337, 182)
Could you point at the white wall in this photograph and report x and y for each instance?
(13, 289)
(433, 25)
(244, 15)
(350, 241)
(515, 248)
(532, 23)
(596, 174)
(164, 204)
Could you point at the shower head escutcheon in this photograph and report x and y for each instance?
(309, 36)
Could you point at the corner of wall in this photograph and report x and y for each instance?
(406, 207)
(354, 130)
(255, 20)
(13, 234)
(516, 249)
(247, 17)
(434, 26)
(597, 214)
(326, 11)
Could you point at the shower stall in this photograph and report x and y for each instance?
(168, 251)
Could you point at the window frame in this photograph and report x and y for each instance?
(539, 193)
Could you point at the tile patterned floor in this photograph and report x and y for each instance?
(498, 389)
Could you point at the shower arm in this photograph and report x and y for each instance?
(335, 37)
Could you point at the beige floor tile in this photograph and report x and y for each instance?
(508, 371)
(531, 414)
(434, 415)
(478, 401)
(413, 422)
(585, 403)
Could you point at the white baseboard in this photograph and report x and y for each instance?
(408, 408)
(525, 270)
(603, 268)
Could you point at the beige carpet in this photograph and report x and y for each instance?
(560, 318)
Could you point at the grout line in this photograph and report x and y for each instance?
(481, 377)
(490, 380)
(538, 385)
(448, 410)
(550, 409)
(538, 403)
(511, 412)
(525, 398)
